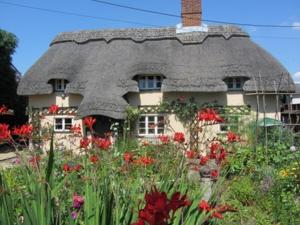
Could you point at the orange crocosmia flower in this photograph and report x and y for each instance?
(128, 157)
(164, 139)
(102, 143)
(3, 109)
(84, 143)
(232, 137)
(4, 132)
(76, 129)
(89, 122)
(179, 137)
(94, 159)
(204, 206)
(53, 109)
(144, 160)
(23, 131)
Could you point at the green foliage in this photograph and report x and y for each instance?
(184, 110)
(8, 44)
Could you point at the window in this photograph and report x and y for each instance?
(151, 125)
(63, 124)
(235, 84)
(149, 82)
(60, 85)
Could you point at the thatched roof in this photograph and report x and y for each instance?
(100, 65)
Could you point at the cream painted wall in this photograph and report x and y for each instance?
(65, 141)
(153, 98)
(41, 101)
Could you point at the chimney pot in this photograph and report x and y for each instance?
(191, 13)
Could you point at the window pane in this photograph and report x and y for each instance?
(142, 119)
(142, 83)
(151, 118)
(58, 127)
(151, 131)
(68, 123)
(58, 121)
(142, 131)
(238, 85)
(151, 82)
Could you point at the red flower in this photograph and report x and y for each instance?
(67, 168)
(158, 207)
(232, 137)
(179, 137)
(128, 157)
(53, 109)
(144, 160)
(24, 131)
(204, 206)
(76, 168)
(222, 156)
(4, 132)
(102, 143)
(204, 160)
(3, 109)
(210, 115)
(191, 154)
(94, 159)
(178, 201)
(217, 215)
(214, 173)
(84, 143)
(89, 122)
(34, 161)
(76, 129)
(164, 139)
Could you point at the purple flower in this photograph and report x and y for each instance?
(16, 161)
(78, 201)
(74, 215)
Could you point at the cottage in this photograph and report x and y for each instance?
(101, 72)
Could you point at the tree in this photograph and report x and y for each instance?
(9, 77)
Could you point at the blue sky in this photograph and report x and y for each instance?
(35, 29)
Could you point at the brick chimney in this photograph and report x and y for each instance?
(191, 13)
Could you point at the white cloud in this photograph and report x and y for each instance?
(297, 24)
(297, 75)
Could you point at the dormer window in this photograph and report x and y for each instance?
(235, 83)
(149, 82)
(59, 85)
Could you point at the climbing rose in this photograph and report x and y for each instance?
(232, 137)
(204, 160)
(89, 122)
(94, 159)
(164, 139)
(78, 201)
(53, 109)
(204, 206)
(222, 156)
(128, 157)
(84, 143)
(209, 115)
(23, 131)
(179, 137)
(190, 154)
(4, 132)
(3, 109)
(102, 143)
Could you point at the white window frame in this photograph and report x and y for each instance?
(63, 124)
(60, 82)
(234, 82)
(146, 134)
(146, 80)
